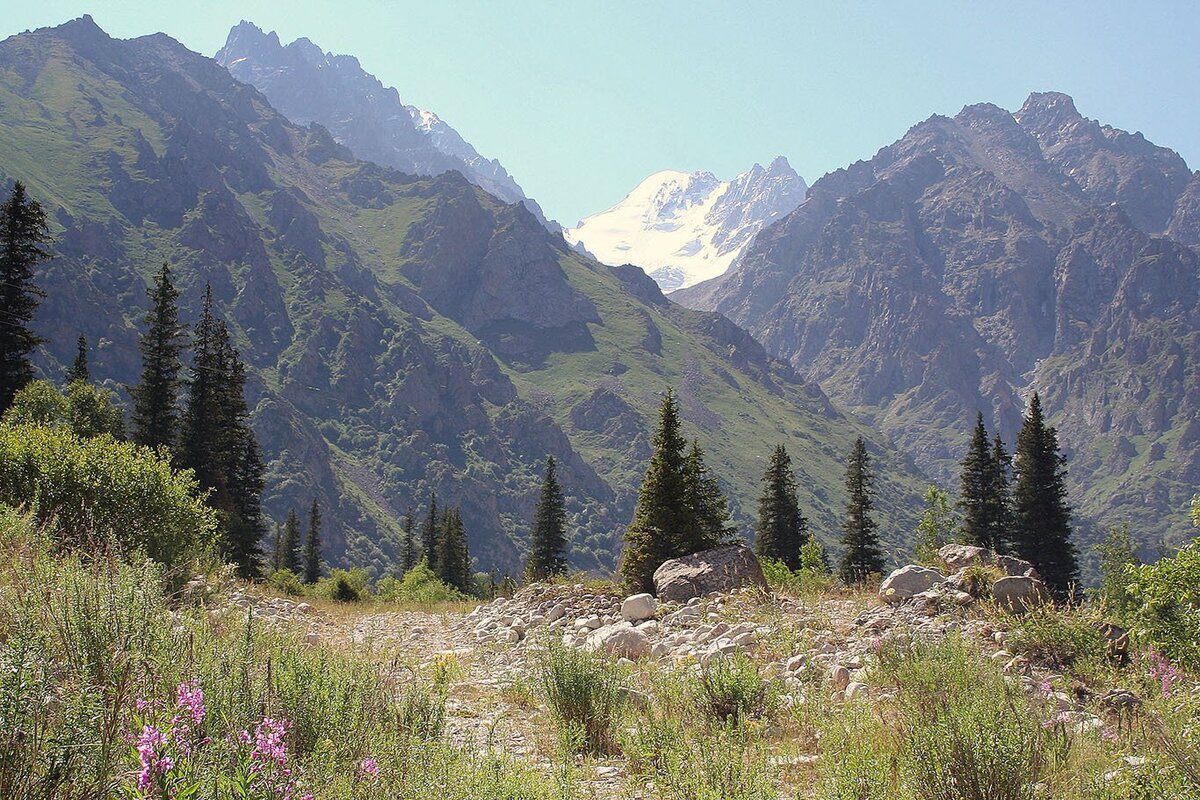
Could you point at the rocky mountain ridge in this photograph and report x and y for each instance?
(404, 335)
(985, 255)
(683, 228)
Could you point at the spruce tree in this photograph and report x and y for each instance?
(999, 499)
(156, 397)
(312, 545)
(409, 556)
(430, 530)
(975, 488)
(1042, 518)
(861, 555)
(24, 240)
(709, 523)
(659, 514)
(549, 539)
(454, 561)
(289, 546)
(782, 529)
(78, 373)
(276, 547)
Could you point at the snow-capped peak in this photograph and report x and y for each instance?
(687, 227)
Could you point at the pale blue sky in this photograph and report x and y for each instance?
(581, 100)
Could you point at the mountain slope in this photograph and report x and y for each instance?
(404, 335)
(986, 255)
(683, 228)
(307, 85)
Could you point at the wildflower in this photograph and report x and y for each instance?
(190, 699)
(1047, 688)
(368, 769)
(1108, 734)
(1163, 671)
(154, 763)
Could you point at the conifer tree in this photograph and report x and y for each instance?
(276, 547)
(975, 489)
(156, 397)
(217, 443)
(1042, 517)
(936, 526)
(549, 540)
(78, 373)
(24, 240)
(999, 501)
(782, 529)
(706, 505)
(409, 556)
(861, 556)
(289, 544)
(660, 513)
(312, 545)
(430, 530)
(454, 561)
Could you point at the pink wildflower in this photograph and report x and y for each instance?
(1163, 671)
(190, 700)
(368, 769)
(1108, 734)
(154, 763)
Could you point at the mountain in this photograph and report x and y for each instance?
(403, 334)
(306, 85)
(987, 255)
(687, 227)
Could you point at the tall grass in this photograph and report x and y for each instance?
(586, 693)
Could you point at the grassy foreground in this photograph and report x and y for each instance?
(115, 682)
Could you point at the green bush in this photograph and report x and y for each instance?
(419, 586)
(1068, 637)
(858, 757)
(91, 491)
(803, 582)
(286, 581)
(731, 690)
(585, 692)
(344, 586)
(86, 410)
(718, 763)
(968, 733)
(1166, 605)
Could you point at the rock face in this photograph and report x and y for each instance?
(721, 569)
(985, 255)
(307, 85)
(907, 582)
(683, 228)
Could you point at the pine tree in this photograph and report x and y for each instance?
(454, 562)
(24, 240)
(289, 546)
(78, 373)
(782, 529)
(999, 499)
(217, 443)
(975, 488)
(312, 545)
(549, 539)
(1042, 518)
(430, 530)
(862, 556)
(276, 547)
(659, 514)
(156, 397)
(709, 524)
(936, 526)
(410, 556)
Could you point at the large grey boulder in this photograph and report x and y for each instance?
(958, 557)
(721, 569)
(1019, 593)
(638, 607)
(908, 582)
(620, 640)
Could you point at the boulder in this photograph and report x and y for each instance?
(907, 582)
(638, 607)
(958, 556)
(1019, 593)
(621, 640)
(1013, 566)
(721, 569)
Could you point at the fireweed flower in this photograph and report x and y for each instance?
(155, 763)
(1162, 671)
(268, 760)
(368, 770)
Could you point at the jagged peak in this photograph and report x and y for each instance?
(247, 31)
(1052, 108)
(81, 28)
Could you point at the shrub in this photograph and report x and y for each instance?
(95, 490)
(1064, 637)
(1117, 554)
(803, 582)
(1166, 605)
(968, 733)
(85, 410)
(586, 693)
(286, 581)
(858, 757)
(731, 690)
(419, 586)
(718, 763)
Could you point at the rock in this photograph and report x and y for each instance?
(304, 608)
(960, 556)
(638, 607)
(1013, 566)
(854, 690)
(907, 582)
(1019, 593)
(312, 639)
(621, 640)
(555, 614)
(721, 569)
(840, 676)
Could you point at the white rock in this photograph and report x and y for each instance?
(907, 582)
(854, 690)
(621, 640)
(638, 607)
